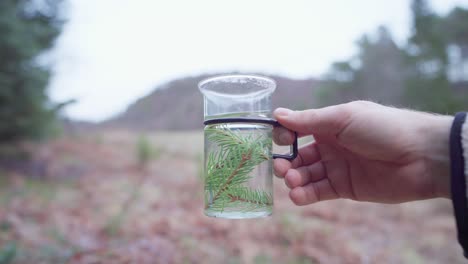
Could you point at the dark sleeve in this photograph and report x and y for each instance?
(458, 159)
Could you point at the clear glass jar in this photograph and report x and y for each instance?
(238, 174)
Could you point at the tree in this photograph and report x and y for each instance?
(375, 73)
(436, 53)
(28, 28)
(455, 28)
(429, 73)
(427, 85)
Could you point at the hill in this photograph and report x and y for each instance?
(178, 104)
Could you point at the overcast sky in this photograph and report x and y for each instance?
(112, 52)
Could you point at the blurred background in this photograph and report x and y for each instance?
(100, 124)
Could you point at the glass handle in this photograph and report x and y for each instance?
(293, 150)
(291, 156)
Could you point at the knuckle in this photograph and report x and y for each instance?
(362, 103)
(308, 114)
(315, 192)
(307, 118)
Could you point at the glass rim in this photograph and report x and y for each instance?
(225, 77)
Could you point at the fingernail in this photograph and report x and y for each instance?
(287, 179)
(282, 112)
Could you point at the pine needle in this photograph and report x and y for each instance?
(229, 168)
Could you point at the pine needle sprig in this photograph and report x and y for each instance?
(229, 166)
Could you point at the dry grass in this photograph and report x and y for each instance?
(60, 220)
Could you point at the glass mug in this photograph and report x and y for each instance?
(238, 176)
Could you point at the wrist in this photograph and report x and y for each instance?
(437, 153)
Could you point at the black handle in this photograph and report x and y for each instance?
(269, 121)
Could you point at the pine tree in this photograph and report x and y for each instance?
(28, 28)
(427, 84)
(374, 73)
(427, 73)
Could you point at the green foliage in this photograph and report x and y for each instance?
(228, 169)
(113, 225)
(365, 76)
(4, 226)
(262, 259)
(302, 260)
(7, 253)
(427, 84)
(27, 28)
(414, 75)
(455, 27)
(145, 152)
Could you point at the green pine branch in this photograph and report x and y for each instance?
(229, 168)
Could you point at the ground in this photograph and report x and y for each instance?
(73, 214)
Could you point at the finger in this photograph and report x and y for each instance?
(307, 155)
(327, 120)
(313, 192)
(337, 169)
(304, 175)
(282, 136)
(280, 167)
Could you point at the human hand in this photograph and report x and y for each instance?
(366, 152)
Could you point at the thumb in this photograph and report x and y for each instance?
(327, 121)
